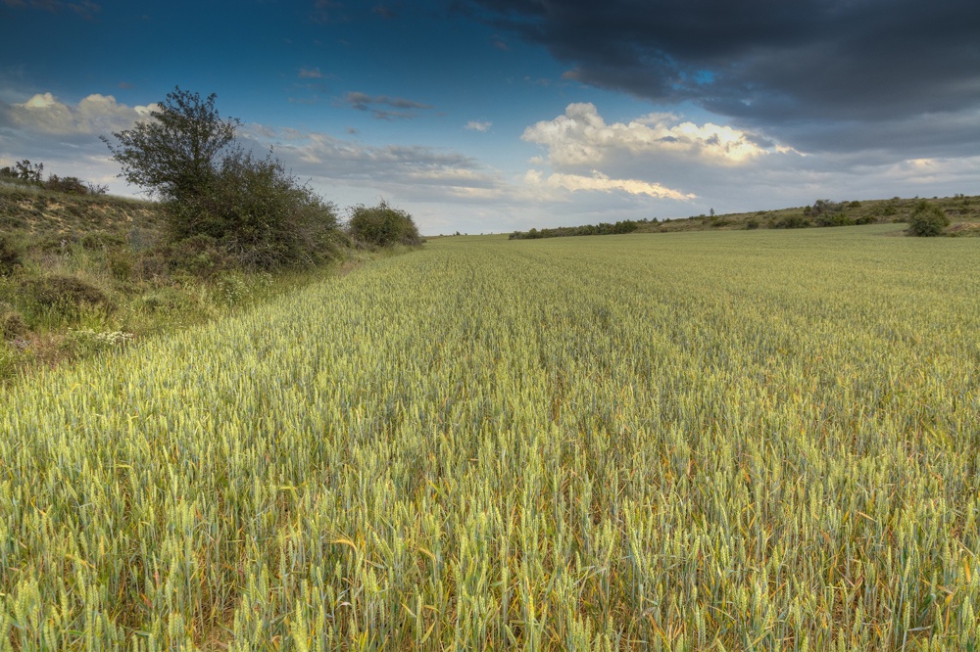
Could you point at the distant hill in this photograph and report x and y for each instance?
(963, 213)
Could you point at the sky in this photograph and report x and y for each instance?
(485, 116)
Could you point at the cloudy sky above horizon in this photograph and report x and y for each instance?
(495, 115)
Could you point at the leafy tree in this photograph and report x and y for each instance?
(174, 155)
(220, 195)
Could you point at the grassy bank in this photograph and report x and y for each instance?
(81, 274)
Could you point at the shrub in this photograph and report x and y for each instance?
(88, 341)
(140, 240)
(152, 266)
(166, 299)
(383, 226)
(65, 292)
(96, 240)
(9, 257)
(272, 219)
(822, 206)
(52, 244)
(68, 185)
(259, 214)
(233, 288)
(833, 219)
(827, 213)
(120, 265)
(8, 363)
(603, 228)
(927, 220)
(199, 255)
(11, 325)
(752, 224)
(792, 222)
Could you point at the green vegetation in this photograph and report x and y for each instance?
(927, 220)
(382, 226)
(230, 229)
(93, 263)
(102, 264)
(25, 173)
(176, 155)
(761, 440)
(259, 215)
(963, 213)
(220, 196)
(625, 226)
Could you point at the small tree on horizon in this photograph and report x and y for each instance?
(24, 171)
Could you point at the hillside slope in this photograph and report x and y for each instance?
(79, 274)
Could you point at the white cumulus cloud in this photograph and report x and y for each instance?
(96, 114)
(582, 137)
(475, 125)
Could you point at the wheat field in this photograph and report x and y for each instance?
(707, 441)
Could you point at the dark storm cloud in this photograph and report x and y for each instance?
(784, 66)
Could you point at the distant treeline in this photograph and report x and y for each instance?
(626, 226)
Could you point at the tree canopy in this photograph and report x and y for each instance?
(383, 226)
(174, 154)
